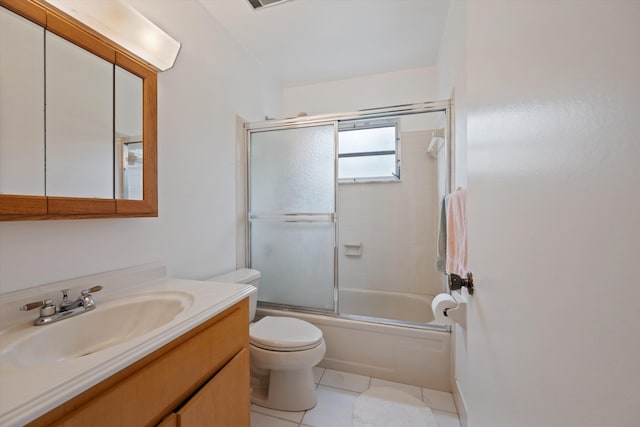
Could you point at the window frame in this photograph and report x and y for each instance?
(363, 124)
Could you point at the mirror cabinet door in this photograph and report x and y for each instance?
(21, 106)
(79, 121)
(128, 135)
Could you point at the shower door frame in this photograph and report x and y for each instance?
(444, 106)
(332, 216)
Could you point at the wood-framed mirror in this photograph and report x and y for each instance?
(46, 166)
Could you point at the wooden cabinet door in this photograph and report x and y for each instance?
(224, 401)
(170, 420)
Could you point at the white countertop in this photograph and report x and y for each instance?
(27, 392)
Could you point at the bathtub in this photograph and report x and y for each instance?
(410, 355)
(404, 307)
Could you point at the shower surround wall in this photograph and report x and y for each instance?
(396, 224)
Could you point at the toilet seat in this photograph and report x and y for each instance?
(284, 334)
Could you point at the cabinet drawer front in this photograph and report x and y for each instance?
(153, 391)
(224, 401)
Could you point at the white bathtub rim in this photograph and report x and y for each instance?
(426, 297)
(388, 307)
(356, 322)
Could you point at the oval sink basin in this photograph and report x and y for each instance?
(110, 324)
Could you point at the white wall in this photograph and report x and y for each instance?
(396, 223)
(452, 82)
(553, 100)
(198, 100)
(378, 90)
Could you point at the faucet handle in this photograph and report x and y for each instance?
(45, 306)
(91, 290)
(32, 305)
(48, 308)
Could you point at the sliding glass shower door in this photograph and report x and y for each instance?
(292, 204)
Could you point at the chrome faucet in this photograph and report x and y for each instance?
(49, 313)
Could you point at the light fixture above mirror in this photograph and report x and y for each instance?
(122, 24)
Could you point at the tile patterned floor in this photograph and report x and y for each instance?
(336, 393)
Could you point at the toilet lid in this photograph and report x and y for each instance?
(284, 334)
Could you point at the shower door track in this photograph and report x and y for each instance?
(295, 217)
(370, 113)
(354, 317)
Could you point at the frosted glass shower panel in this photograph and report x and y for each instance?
(296, 262)
(292, 170)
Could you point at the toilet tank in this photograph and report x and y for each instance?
(245, 276)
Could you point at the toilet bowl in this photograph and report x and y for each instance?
(283, 352)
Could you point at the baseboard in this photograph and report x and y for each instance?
(461, 405)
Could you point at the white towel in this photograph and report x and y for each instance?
(441, 256)
(457, 233)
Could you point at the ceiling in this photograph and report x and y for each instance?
(301, 42)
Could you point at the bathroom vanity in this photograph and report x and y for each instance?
(200, 378)
(191, 370)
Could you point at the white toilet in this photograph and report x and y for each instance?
(283, 351)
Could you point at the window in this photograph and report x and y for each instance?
(368, 150)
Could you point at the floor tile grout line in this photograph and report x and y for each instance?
(277, 417)
(305, 413)
(443, 410)
(340, 388)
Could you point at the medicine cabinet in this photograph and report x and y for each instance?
(78, 126)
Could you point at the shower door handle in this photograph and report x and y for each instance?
(328, 217)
